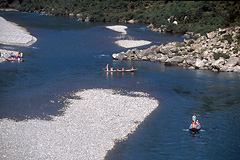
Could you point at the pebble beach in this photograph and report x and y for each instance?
(89, 127)
(12, 34)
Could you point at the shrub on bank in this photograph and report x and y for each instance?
(194, 16)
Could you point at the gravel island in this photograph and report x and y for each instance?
(90, 126)
(127, 43)
(12, 34)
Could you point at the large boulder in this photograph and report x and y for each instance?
(212, 34)
(152, 57)
(163, 58)
(219, 63)
(232, 61)
(119, 56)
(152, 50)
(199, 63)
(190, 61)
(174, 61)
(223, 68)
(142, 53)
(165, 50)
(237, 69)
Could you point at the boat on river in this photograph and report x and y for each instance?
(126, 70)
(106, 69)
(195, 125)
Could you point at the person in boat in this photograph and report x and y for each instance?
(123, 69)
(117, 69)
(132, 69)
(195, 123)
(111, 69)
(107, 67)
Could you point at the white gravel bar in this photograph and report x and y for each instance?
(88, 128)
(127, 43)
(12, 34)
(132, 43)
(118, 28)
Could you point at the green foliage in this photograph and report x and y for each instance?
(190, 42)
(228, 37)
(238, 37)
(194, 16)
(220, 54)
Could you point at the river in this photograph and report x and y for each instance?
(69, 56)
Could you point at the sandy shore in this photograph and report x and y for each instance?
(118, 28)
(89, 127)
(12, 34)
(132, 43)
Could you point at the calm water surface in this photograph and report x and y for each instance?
(69, 56)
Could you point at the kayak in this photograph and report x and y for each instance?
(198, 128)
(127, 70)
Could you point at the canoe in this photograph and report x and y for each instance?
(127, 70)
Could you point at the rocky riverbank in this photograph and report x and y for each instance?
(218, 51)
(91, 125)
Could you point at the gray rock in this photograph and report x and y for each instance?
(152, 50)
(237, 69)
(199, 64)
(218, 63)
(2, 59)
(174, 61)
(120, 56)
(223, 69)
(165, 51)
(163, 58)
(230, 69)
(142, 53)
(190, 61)
(145, 58)
(152, 58)
(212, 34)
(174, 49)
(191, 67)
(232, 61)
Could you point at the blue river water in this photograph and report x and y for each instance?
(69, 56)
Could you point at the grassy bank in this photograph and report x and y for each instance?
(171, 16)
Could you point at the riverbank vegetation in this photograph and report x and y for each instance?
(169, 16)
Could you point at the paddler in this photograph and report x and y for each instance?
(122, 69)
(195, 122)
(107, 67)
(132, 68)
